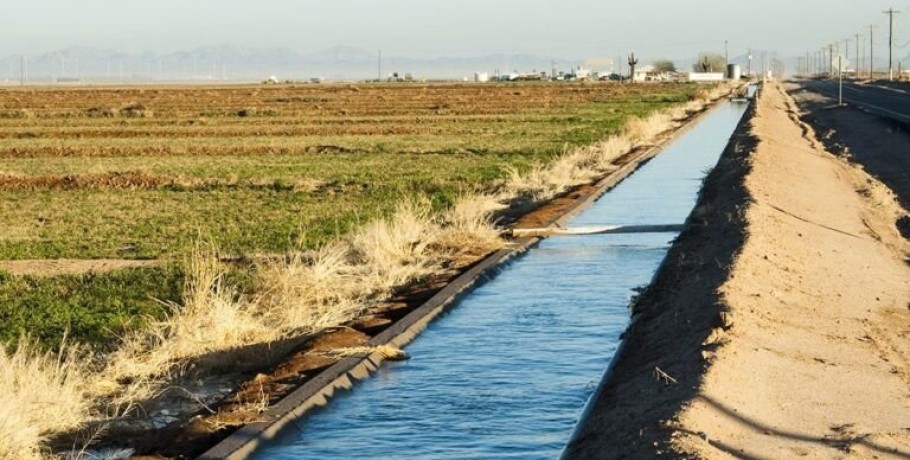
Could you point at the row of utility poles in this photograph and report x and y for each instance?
(825, 60)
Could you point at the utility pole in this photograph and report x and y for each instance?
(379, 71)
(619, 60)
(871, 53)
(23, 73)
(846, 51)
(831, 64)
(840, 80)
(858, 65)
(750, 62)
(726, 55)
(891, 12)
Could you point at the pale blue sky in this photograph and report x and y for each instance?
(570, 28)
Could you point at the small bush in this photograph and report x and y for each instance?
(135, 110)
(101, 112)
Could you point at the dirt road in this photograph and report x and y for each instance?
(878, 143)
(779, 326)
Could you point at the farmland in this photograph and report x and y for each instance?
(147, 173)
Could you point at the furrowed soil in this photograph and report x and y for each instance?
(96, 180)
(779, 326)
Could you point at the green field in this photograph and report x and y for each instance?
(147, 173)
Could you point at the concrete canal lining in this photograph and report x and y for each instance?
(342, 375)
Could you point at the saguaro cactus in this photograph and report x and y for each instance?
(632, 63)
(705, 65)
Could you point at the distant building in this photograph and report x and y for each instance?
(646, 74)
(481, 77)
(705, 77)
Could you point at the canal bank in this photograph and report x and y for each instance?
(508, 371)
(778, 325)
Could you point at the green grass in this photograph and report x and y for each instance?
(258, 184)
(101, 223)
(91, 309)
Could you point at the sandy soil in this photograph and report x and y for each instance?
(878, 145)
(779, 327)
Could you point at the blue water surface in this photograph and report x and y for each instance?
(507, 372)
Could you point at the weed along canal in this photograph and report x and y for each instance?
(507, 372)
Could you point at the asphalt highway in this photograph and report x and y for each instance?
(883, 101)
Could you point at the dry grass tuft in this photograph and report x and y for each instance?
(213, 318)
(40, 394)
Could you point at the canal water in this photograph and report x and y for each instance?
(507, 372)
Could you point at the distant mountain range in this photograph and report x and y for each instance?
(235, 63)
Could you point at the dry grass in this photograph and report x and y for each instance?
(43, 394)
(306, 293)
(40, 394)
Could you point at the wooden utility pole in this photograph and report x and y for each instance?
(858, 65)
(871, 53)
(619, 65)
(846, 48)
(891, 12)
(379, 65)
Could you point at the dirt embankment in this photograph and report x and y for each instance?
(779, 326)
(878, 144)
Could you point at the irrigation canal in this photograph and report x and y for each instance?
(507, 373)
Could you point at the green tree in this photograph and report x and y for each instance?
(664, 65)
(710, 62)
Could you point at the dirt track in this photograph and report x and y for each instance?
(779, 326)
(878, 144)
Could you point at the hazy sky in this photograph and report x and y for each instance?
(569, 28)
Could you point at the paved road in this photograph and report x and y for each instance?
(887, 102)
